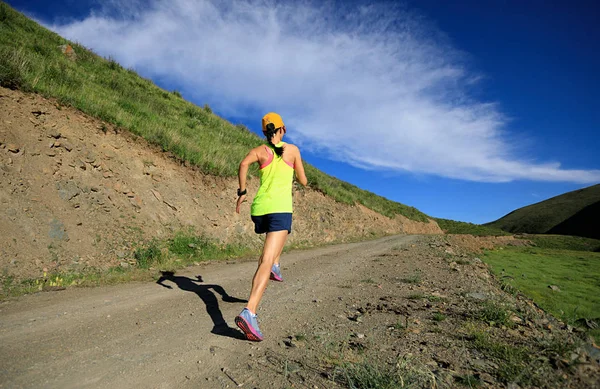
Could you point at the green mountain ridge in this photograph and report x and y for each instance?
(574, 213)
(31, 60)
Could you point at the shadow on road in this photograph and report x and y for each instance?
(205, 292)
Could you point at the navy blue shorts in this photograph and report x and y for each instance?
(272, 222)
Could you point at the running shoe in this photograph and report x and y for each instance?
(276, 273)
(249, 325)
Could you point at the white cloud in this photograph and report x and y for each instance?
(373, 86)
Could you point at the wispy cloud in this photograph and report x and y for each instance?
(374, 86)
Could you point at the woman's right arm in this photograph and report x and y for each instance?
(242, 173)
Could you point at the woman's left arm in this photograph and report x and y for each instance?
(299, 168)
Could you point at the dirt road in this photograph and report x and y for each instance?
(173, 335)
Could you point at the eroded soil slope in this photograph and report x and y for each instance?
(77, 193)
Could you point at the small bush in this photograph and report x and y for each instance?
(13, 66)
(192, 112)
(3, 12)
(414, 278)
(405, 373)
(207, 109)
(183, 244)
(42, 49)
(494, 314)
(177, 93)
(367, 376)
(469, 380)
(113, 64)
(438, 317)
(415, 296)
(514, 359)
(147, 256)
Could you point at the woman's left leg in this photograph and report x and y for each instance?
(272, 249)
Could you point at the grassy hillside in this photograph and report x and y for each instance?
(456, 227)
(563, 242)
(572, 213)
(31, 60)
(583, 223)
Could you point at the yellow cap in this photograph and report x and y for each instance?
(271, 117)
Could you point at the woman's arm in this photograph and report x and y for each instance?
(299, 168)
(242, 173)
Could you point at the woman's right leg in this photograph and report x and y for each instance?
(274, 243)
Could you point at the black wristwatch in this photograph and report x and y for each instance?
(241, 193)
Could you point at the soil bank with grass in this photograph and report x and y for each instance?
(78, 195)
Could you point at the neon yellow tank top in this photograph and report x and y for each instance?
(275, 192)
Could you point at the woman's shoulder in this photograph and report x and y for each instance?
(291, 146)
(259, 149)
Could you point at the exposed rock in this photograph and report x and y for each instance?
(477, 296)
(68, 51)
(57, 230)
(90, 157)
(67, 190)
(157, 195)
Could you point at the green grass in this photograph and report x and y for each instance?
(564, 242)
(456, 227)
(148, 255)
(183, 249)
(406, 373)
(30, 60)
(526, 364)
(300, 337)
(414, 278)
(438, 317)
(469, 381)
(531, 270)
(494, 314)
(514, 359)
(435, 299)
(61, 280)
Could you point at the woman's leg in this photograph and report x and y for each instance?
(274, 243)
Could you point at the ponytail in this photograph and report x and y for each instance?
(271, 130)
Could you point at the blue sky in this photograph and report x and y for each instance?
(465, 110)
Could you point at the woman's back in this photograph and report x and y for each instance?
(276, 176)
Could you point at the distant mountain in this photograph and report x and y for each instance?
(574, 213)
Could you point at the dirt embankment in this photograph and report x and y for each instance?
(75, 193)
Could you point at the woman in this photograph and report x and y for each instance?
(271, 210)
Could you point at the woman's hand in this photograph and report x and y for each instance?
(240, 200)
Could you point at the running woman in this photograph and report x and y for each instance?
(271, 210)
